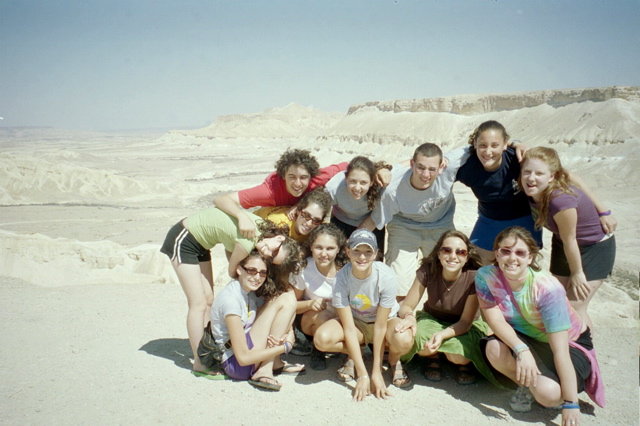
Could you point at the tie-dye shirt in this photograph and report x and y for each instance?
(543, 303)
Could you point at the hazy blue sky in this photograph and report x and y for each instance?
(99, 65)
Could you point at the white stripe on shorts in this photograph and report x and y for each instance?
(176, 244)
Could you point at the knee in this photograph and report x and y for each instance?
(547, 392)
(457, 359)
(287, 300)
(323, 339)
(401, 342)
(495, 352)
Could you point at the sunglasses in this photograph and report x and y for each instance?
(254, 271)
(518, 252)
(307, 217)
(449, 250)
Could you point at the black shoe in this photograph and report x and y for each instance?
(318, 360)
(302, 345)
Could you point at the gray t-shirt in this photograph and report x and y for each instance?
(346, 208)
(364, 296)
(232, 300)
(431, 208)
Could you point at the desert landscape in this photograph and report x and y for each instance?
(92, 316)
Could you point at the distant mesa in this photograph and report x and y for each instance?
(595, 116)
(482, 104)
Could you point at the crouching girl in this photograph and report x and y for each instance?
(250, 335)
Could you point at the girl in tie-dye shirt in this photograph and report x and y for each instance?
(533, 324)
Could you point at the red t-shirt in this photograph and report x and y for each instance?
(273, 191)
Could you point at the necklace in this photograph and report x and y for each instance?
(452, 285)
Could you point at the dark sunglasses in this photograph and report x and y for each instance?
(518, 252)
(254, 271)
(449, 250)
(307, 217)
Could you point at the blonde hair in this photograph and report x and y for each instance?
(560, 181)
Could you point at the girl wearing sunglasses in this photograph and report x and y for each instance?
(540, 344)
(188, 244)
(248, 334)
(583, 247)
(448, 322)
(305, 217)
(314, 285)
(355, 193)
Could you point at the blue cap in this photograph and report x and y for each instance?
(363, 236)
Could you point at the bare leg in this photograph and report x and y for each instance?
(457, 359)
(311, 320)
(199, 291)
(399, 343)
(329, 337)
(547, 391)
(581, 306)
(274, 319)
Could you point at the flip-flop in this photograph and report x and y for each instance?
(292, 369)
(346, 373)
(433, 371)
(401, 379)
(466, 375)
(258, 383)
(211, 374)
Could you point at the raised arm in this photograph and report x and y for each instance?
(230, 204)
(608, 221)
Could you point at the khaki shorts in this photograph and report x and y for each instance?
(366, 329)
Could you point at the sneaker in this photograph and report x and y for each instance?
(302, 346)
(521, 401)
(318, 360)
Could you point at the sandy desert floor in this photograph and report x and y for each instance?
(92, 319)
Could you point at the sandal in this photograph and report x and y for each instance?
(346, 373)
(466, 375)
(400, 378)
(288, 368)
(265, 382)
(211, 374)
(433, 371)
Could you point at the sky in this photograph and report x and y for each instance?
(142, 64)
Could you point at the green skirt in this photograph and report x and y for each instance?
(467, 345)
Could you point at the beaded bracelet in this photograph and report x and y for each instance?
(287, 349)
(607, 213)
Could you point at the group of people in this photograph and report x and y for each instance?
(510, 321)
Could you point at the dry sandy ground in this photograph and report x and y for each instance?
(92, 320)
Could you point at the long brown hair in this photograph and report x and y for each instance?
(369, 167)
(431, 265)
(560, 181)
(279, 274)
